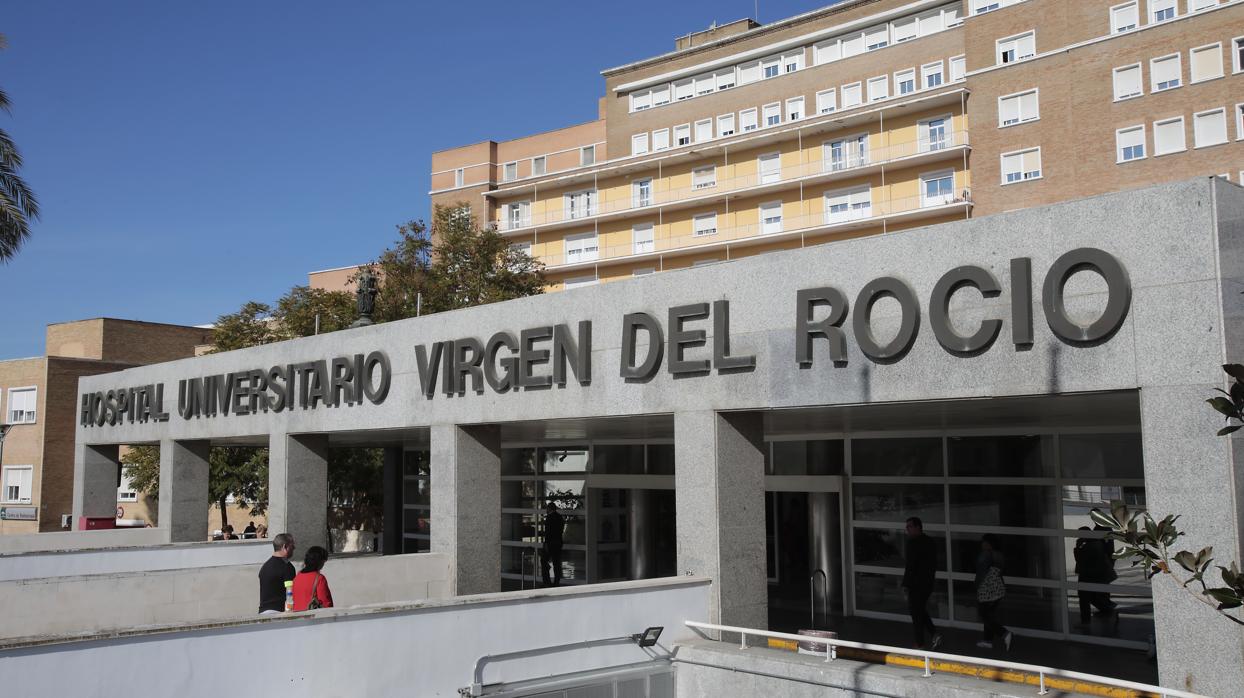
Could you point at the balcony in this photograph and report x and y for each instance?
(850, 162)
(858, 214)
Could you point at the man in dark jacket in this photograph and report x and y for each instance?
(918, 580)
(554, 524)
(274, 573)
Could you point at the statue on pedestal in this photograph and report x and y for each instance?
(368, 287)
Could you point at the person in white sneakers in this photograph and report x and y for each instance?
(990, 590)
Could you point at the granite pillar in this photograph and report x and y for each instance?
(466, 505)
(298, 488)
(184, 472)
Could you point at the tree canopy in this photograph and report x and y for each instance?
(18, 205)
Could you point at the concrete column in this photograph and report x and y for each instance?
(719, 478)
(96, 470)
(298, 488)
(184, 472)
(394, 499)
(466, 505)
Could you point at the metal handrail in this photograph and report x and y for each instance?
(928, 657)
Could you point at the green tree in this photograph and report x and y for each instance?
(238, 471)
(297, 311)
(405, 273)
(475, 265)
(356, 488)
(1150, 544)
(251, 326)
(18, 205)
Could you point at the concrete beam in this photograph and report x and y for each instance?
(719, 477)
(184, 472)
(466, 505)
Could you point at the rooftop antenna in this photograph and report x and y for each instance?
(757, 8)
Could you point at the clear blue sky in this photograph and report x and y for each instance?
(192, 156)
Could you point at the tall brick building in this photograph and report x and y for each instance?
(861, 118)
(39, 398)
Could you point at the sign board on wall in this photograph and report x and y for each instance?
(19, 513)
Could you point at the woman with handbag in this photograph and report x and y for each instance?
(990, 590)
(310, 586)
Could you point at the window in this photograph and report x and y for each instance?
(852, 45)
(126, 491)
(703, 177)
(1130, 143)
(827, 51)
(521, 248)
(931, 74)
(641, 100)
(826, 101)
(682, 135)
(1161, 10)
(22, 405)
(517, 214)
(982, 6)
(578, 281)
(705, 224)
(1016, 109)
(661, 139)
(771, 217)
(1209, 128)
(703, 130)
(643, 271)
(848, 204)
(747, 120)
(877, 37)
(1124, 17)
(1205, 62)
(934, 134)
(725, 78)
(581, 248)
(770, 67)
(581, 204)
(1237, 54)
(792, 61)
(1198, 5)
(845, 153)
(930, 22)
(1021, 166)
(641, 192)
(794, 108)
(905, 81)
(770, 166)
(773, 114)
(1168, 136)
(460, 215)
(958, 68)
(537, 166)
(684, 89)
(749, 72)
(1017, 48)
(878, 88)
(1165, 72)
(937, 189)
(725, 125)
(852, 95)
(903, 29)
(642, 240)
(661, 95)
(587, 155)
(951, 15)
(459, 177)
(17, 480)
(705, 84)
(510, 172)
(1127, 82)
(1239, 124)
(639, 144)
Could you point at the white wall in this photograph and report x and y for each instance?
(88, 561)
(109, 602)
(82, 540)
(424, 650)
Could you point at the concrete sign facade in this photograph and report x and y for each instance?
(1137, 291)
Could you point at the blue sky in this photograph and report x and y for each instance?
(192, 156)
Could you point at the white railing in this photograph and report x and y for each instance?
(831, 653)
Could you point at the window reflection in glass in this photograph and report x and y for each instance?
(807, 458)
(1000, 456)
(1004, 505)
(896, 457)
(887, 548)
(884, 592)
(1114, 456)
(1022, 607)
(1034, 557)
(896, 502)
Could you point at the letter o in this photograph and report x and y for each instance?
(377, 393)
(1118, 289)
(896, 348)
(939, 309)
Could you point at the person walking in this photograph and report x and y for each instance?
(918, 580)
(274, 573)
(1094, 565)
(990, 590)
(551, 554)
(311, 586)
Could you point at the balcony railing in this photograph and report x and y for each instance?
(820, 222)
(851, 159)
